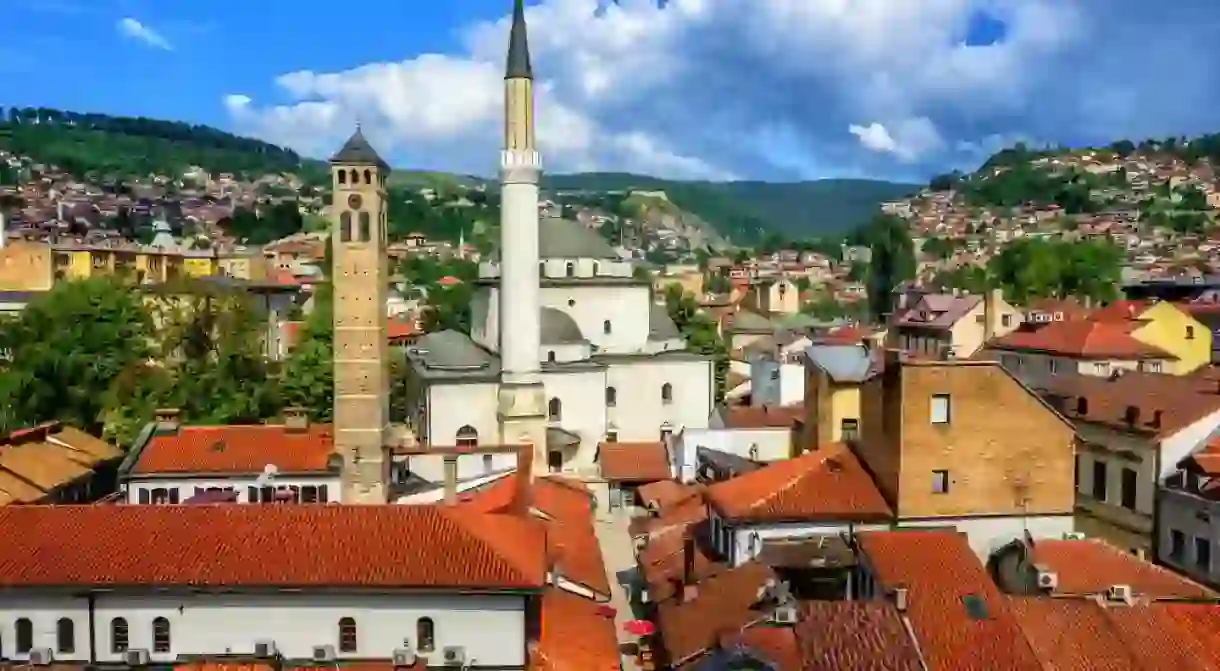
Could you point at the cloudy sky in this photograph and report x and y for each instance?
(759, 89)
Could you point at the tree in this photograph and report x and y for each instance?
(308, 376)
(67, 350)
(892, 261)
(1032, 268)
(700, 332)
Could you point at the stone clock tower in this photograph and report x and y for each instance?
(359, 278)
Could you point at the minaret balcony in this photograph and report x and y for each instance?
(520, 158)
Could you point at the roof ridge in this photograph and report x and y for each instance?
(466, 520)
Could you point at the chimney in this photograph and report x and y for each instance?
(451, 476)
(991, 313)
(167, 419)
(523, 493)
(688, 558)
(900, 599)
(296, 420)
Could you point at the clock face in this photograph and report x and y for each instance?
(354, 201)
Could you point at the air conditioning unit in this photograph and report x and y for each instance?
(1121, 593)
(137, 657)
(404, 657)
(265, 649)
(324, 653)
(1048, 580)
(454, 655)
(784, 615)
(41, 657)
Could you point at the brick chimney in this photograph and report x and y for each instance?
(991, 313)
(167, 419)
(296, 420)
(451, 477)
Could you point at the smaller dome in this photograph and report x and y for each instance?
(558, 328)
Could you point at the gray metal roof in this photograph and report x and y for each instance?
(747, 321)
(660, 326)
(843, 363)
(451, 354)
(518, 66)
(357, 150)
(558, 328)
(566, 239)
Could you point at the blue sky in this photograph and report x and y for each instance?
(719, 89)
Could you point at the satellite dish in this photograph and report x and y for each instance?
(268, 474)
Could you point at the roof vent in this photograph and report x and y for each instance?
(218, 446)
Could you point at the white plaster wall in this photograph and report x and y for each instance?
(1176, 447)
(1195, 517)
(431, 467)
(765, 381)
(988, 534)
(490, 627)
(626, 307)
(566, 353)
(241, 483)
(1039, 370)
(485, 318)
(454, 405)
(774, 444)
(519, 289)
(583, 403)
(640, 413)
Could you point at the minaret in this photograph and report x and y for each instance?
(361, 351)
(522, 398)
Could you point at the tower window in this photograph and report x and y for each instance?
(345, 227)
(24, 636)
(65, 635)
(118, 635)
(667, 393)
(596, 267)
(541, 268)
(355, 177)
(365, 227)
(611, 397)
(343, 177)
(550, 356)
(347, 635)
(554, 410)
(160, 635)
(425, 634)
(368, 176)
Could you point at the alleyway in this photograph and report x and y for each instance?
(619, 556)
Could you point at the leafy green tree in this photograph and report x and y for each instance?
(447, 308)
(700, 332)
(308, 376)
(1036, 268)
(892, 261)
(66, 351)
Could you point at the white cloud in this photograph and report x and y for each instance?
(770, 88)
(133, 29)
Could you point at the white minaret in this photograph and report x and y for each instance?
(522, 398)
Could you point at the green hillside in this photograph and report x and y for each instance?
(747, 209)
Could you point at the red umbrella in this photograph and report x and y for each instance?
(639, 627)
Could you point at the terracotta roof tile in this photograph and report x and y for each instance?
(576, 635)
(828, 483)
(42, 458)
(664, 494)
(634, 462)
(364, 665)
(762, 417)
(1082, 339)
(1166, 404)
(777, 645)
(237, 449)
(854, 636)
(1092, 567)
(230, 546)
(663, 565)
(691, 511)
(1169, 637)
(945, 579)
(576, 555)
(1121, 311)
(1205, 461)
(724, 603)
(1071, 634)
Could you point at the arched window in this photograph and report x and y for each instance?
(345, 227)
(160, 635)
(65, 635)
(555, 410)
(118, 635)
(368, 176)
(607, 327)
(366, 227)
(570, 269)
(667, 393)
(611, 397)
(355, 177)
(467, 436)
(596, 267)
(343, 177)
(24, 635)
(550, 356)
(425, 635)
(347, 635)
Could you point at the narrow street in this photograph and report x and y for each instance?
(619, 556)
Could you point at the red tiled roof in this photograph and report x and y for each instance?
(943, 574)
(724, 602)
(575, 636)
(828, 483)
(634, 462)
(665, 493)
(268, 546)
(686, 513)
(1205, 461)
(237, 449)
(1092, 567)
(762, 417)
(778, 646)
(398, 329)
(1071, 635)
(1121, 311)
(1084, 340)
(854, 636)
(366, 665)
(663, 564)
(1165, 404)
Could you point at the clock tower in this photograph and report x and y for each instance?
(359, 279)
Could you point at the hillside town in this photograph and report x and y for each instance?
(587, 460)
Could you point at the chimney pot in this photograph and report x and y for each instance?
(900, 599)
(296, 419)
(167, 419)
(451, 474)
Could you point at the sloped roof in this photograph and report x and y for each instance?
(660, 326)
(237, 449)
(1084, 340)
(566, 239)
(843, 363)
(358, 151)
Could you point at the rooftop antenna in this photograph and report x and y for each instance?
(267, 476)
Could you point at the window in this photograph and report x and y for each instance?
(554, 461)
(667, 393)
(1177, 545)
(849, 430)
(425, 634)
(145, 498)
(1053, 366)
(322, 497)
(24, 635)
(1082, 406)
(1203, 554)
(554, 410)
(368, 176)
(550, 356)
(611, 436)
(570, 269)
(1102, 368)
(940, 482)
(343, 177)
(775, 374)
(309, 494)
(1152, 366)
(1006, 321)
(347, 635)
(940, 409)
(160, 635)
(118, 635)
(1190, 333)
(65, 635)
(1129, 488)
(611, 397)
(487, 463)
(1099, 481)
(606, 327)
(345, 227)
(366, 227)
(467, 436)
(355, 177)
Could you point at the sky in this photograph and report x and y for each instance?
(698, 89)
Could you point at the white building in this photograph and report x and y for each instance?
(567, 348)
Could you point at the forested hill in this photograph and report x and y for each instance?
(746, 209)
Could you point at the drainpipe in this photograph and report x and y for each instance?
(92, 601)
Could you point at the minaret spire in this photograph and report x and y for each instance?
(518, 46)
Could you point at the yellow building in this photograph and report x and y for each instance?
(35, 266)
(834, 375)
(1165, 326)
